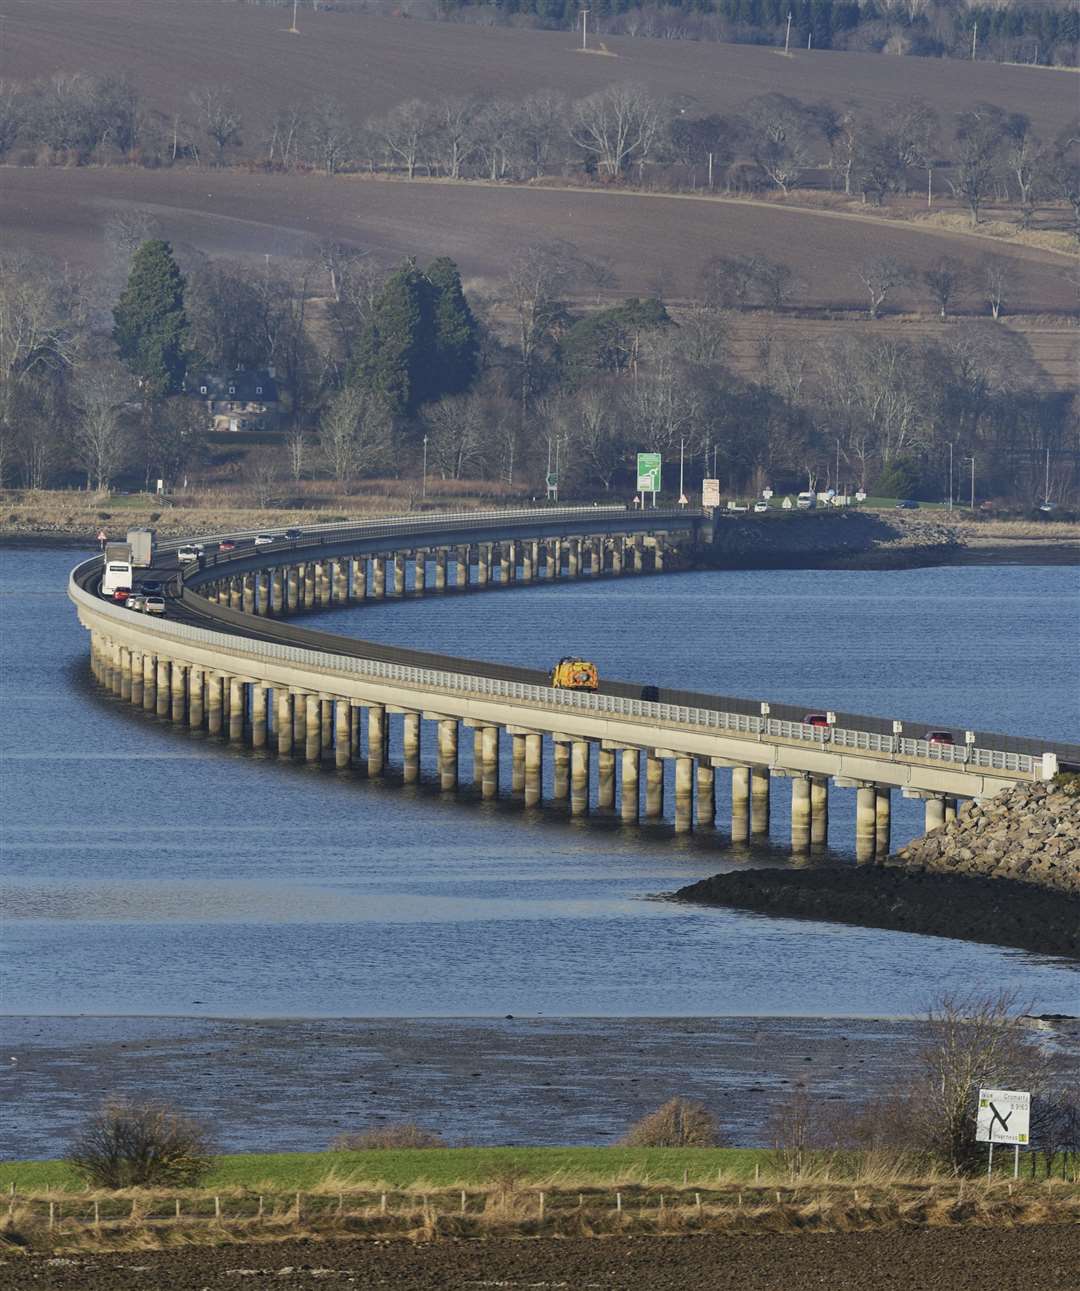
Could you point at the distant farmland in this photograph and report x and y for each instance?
(371, 63)
(652, 242)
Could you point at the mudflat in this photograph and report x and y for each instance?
(1036, 1258)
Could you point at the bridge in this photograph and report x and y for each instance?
(226, 659)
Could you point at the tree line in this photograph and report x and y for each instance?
(385, 371)
(622, 133)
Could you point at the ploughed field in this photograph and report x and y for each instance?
(371, 63)
(1036, 1258)
(652, 241)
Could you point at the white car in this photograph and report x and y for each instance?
(186, 554)
(154, 605)
(761, 506)
(264, 540)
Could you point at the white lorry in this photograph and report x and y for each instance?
(141, 542)
(118, 570)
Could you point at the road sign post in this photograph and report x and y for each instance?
(648, 474)
(1003, 1116)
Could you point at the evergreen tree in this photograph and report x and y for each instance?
(150, 326)
(455, 351)
(395, 353)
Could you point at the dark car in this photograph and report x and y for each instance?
(226, 544)
(906, 504)
(151, 587)
(815, 719)
(939, 737)
(650, 694)
(293, 533)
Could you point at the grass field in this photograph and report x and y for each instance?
(371, 63)
(436, 1168)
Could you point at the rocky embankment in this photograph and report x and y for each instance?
(833, 539)
(1030, 833)
(1006, 872)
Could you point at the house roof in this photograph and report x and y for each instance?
(242, 386)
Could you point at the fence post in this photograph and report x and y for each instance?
(178, 1210)
(298, 1208)
(463, 1201)
(259, 1212)
(97, 1214)
(382, 1205)
(618, 1201)
(52, 1213)
(541, 1206)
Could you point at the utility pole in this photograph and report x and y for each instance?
(682, 446)
(929, 187)
(585, 28)
(950, 475)
(1046, 480)
(294, 30)
(787, 37)
(423, 483)
(971, 459)
(836, 478)
(974, 39)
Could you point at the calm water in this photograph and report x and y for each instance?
(152, 872)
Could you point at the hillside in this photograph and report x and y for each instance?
(651, 240)
(371, 63)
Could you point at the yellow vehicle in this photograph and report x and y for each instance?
(575, 674)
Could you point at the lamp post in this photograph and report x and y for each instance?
(584, 28)
(423, 482)
(971, 459)
(682, 446)
(951, 477)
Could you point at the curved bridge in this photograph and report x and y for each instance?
(225, 659)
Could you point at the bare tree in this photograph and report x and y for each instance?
(354, 434)
(537, 279)
(405, 131)
(264, 477)
(779, 130)
(913, 128)
(296, 447)
(329, 134)
(977, 155)
(881, 275)
(946, 279)
(618, 126)
(12, 112)
(543, 128)
(1027, 159)
(220, 116)
(457, 428)
(131, 1145)
(453, 133)
(996, 276)
(1063, 170)
(287, 130)
(102, 389)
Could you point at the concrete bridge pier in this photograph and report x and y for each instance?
(819, 810)
(684, 795)
(637, 556)
(399, 573)
(262, 592)
(605, 779)
(448, 753)
(706, 794)
(740, 804)
(935, 813)
(292, 589)
(950, 810)
(125, 674)
(461, 577)
(517, 762)
(326, 722)
(247, 593)
(410, 747)
(163, 671)
(215, 709)
(560, 769)
(149, 683)
(658, 553)
(419, 577)
(136, 679)
(865, 822)
(800, 813)
(503, 550)
(440, 569)
(299, 721)
(309, 585)
(654, 786)
(196, 702)
(596, 557)
(378, 577)
(312, 728)
(179, 692)
(237, 705)
(527, 561)
(322, 584)
(483, 564)
(284, 723)
(534, 769)
(760, 785)
(489, 761)
(260, 696)
(341, 581)
(376, 740)
(629, 804)
(342, 733)
(277, 592)
(579, 778)
(882, 818)
(359, 578)
(552, 558)
(573, 558)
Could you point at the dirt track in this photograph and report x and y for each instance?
(1021, 1259)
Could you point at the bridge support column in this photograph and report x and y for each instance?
(527, 566)
(292, 589)
(461, 575)
(342, 733)
(247, 593)
(376, 740)
(553, 563)
(618, 555)
(950, 810)
(440, 569)
(573, 557)
(359, 578)
(149, 683)
(597, 547)
(628, 797)
(637, 556)
(196, 704)
(865, 822)
(819, 811)
(504, 563)
(935, 813)
(448, 753)
(284, 723)
(136, 679)
(740, 804)
(684, 795)
(706, 794)
(489, 749)
(214, 706)
(579, 778)
(163, 671)
(378, 577)
(262, 593)
(260, 696)
(534, 769)
(605, 779)
(517, 763)
(341, 581)
(399, 573)
(326, 724)
(800, 813)
(483, 564)
(299, 722)
(410, 747)
(312, 728)
(179, 692)
(560, 770)
(322, 584)
(236, 710)
(883, 818)
(759, 801)
(654, 787)
(309, 585)
(125, 674)
(277, 592)
(419, 578)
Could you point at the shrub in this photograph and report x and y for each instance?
(680, 1123)
(405, 1135)
(132, 1144)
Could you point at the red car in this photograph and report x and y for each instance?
(939, 737)
(815, 719)
(121, 594)
(227, 545)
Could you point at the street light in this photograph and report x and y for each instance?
(971, 459)
(951, 477)
(423, 484)
(682, 446)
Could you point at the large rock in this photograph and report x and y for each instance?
(1030, 832)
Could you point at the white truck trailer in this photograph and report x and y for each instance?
(141, 542)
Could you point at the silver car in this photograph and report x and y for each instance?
(136, 601)
(154, 605)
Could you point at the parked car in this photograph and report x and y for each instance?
(226, 544)
(761, 506)
(136, 601)
(939, 737)
(264, 539)
(293, 533)
(187, 554)
(120, 594)
(906, 504)
(155, 605)
(815, 719)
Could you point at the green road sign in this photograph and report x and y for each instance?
(648, 472)
(552, 480)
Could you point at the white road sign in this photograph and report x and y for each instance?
(1003, 1116)
(710, 493)
(766, 494)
